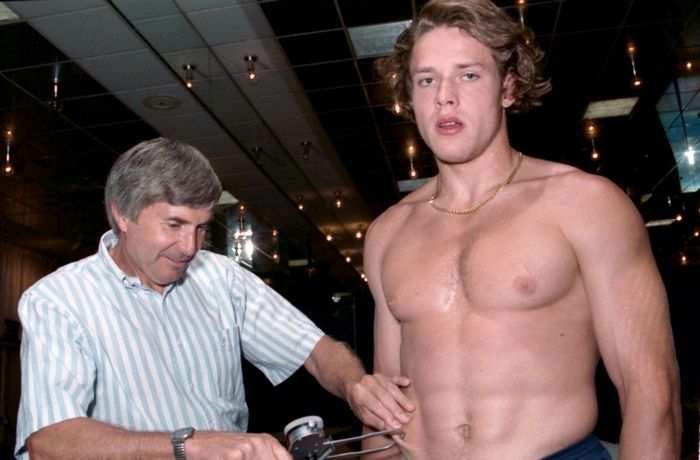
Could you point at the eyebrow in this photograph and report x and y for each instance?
(461, 66)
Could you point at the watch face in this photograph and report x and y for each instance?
(182, 434)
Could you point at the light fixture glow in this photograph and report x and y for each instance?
(679, 217)
(348, 259)
(306, 149)
(300, 202)
(250, 60)
(338, 199)
(632, 53)
(8, 168)
(189, 74)
(690, 155)
(329, 237)
(396, 108)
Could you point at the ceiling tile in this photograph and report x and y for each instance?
(207, 66)
(317, 47)
(293, 17)
(268, 83)
(34, 9)
(97, 110)
(338, 98)
(330, 75)
(137, 10)
(73, 81)
(107, 31)
(187, 126)
(128, 71)
(170, 33)
(367, 70)
(196, 5)
(123, 136)
(22, 46)
(232, 24)
(136, 100)
(268, 53)
(582, 16)
(364, 12)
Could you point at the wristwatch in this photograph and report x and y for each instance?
(178, 438)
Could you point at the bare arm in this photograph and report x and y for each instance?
(387, 331)
(84, 438)
(375, 399)
(630, 318)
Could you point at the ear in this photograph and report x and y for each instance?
(508, 91)
(119, 218)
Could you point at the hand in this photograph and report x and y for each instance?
(379, 402)
(234, 446)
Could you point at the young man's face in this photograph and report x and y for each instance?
(457, 93)
(160, 244)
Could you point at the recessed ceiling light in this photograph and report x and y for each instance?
(377, 39)
(610, 108)
(162, 102)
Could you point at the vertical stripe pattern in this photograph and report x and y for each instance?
(97, 343)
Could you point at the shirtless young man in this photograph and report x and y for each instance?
(501, 282)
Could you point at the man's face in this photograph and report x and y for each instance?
(161, 243)
(457, 94)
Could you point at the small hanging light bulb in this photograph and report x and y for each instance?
(329, 237)
(8, 168)
(679, 217)
(275, 233)
(358, 234)
(338, 199)
(348, 259)
(592, 133)
(306, 149)
(396, 108)
(189, 74)
(411, 152)
(275, 257)
(688, 65)
(521, 5)
(54, 103)
(684, 259)
(250, 60)
(632, 53)
(300, 202)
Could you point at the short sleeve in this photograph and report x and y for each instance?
(57, 370)
(276, 337)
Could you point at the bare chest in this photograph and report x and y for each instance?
(452, 266)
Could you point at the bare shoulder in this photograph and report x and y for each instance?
(394, 217)
(571, 186)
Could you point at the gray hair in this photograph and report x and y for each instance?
(159, 170)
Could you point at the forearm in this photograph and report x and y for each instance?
(335, 366)
(84, 438)
(651, 431)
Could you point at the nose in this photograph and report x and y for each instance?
(446, 94)
(189, 242)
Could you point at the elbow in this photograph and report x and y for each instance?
(36, 448)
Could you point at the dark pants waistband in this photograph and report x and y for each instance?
(589, 448)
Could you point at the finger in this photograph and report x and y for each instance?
(401, 381)
(401, 399)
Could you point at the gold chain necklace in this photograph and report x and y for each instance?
(475, 208)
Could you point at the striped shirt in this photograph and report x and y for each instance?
(98, 343)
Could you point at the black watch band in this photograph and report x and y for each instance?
(178, 438)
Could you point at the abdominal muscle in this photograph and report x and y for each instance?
(497, 386)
